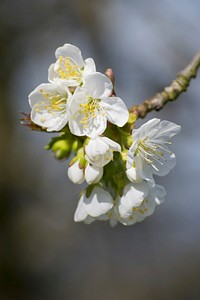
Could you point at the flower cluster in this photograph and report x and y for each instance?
(117, 163)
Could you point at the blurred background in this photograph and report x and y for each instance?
(44, 255)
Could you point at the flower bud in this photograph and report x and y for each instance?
(61, 149)
(76, 145)
(93, 174)
(133, 175)
(75, 173)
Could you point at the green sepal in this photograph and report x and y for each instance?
(76, 145)
(132, 118)
(89, 189)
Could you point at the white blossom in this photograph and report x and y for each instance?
(138, 202)
(99, 151)
(149, 152)
(75, 173)
(98, 203)
(111, 216)
(90, 107)
(133, 196)
(70, 65)
(49, 105)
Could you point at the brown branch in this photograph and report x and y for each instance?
(170, 93)
(26, 121)
(110, 74)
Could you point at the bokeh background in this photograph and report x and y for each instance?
(44, 255)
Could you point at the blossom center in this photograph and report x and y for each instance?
(90, 109)
(142, 209)
(150, 152)
(53, 104)
(68, 69)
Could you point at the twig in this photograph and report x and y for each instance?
(110, 74)
(170, 93)
(26, 121)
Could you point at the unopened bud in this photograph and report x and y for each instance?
(132, 117)
(61, 149)
(76, 145)
(75, 173)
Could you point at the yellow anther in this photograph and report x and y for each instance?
(68, 70)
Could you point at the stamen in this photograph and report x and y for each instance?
(90, 110)
(150, 153)
(54, 104)
(68, 69)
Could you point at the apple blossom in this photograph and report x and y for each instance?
(90, 107)
(133, 196)
(98, 203)
(48, 104)
(138, 202)
(149, 152)
(70, 65)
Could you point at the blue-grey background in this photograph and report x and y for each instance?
(44, 255)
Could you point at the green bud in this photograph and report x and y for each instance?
(82, 163)
(132, 118)
(76, 145)
(81, 157)
(61, 149)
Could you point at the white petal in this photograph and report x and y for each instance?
(144, 170)
(89, 67)
(116, 111)
(47, 119)
(136, 192)
(98, 85)
(133, 175)
(71, 51)
(81, 212)
(99, 151)
(93, 174)
(158, 193)
(146, 128)
(36, 95)
(43, 112)
(99, 202)
(112, 145)
(133, 196)
(89, 220)
(166, 164)
(131, 157)
(167, 130)
(96, 147)
(51, 73)
(75, 174)
(128, 221)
